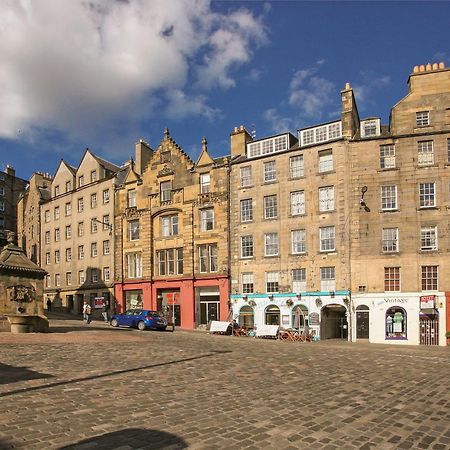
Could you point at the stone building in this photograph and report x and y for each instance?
(171, 230)
(11, 188)
(29, 215)
(77, 234)
(344, 227)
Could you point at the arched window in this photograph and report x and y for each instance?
(272, 315)
(299, 316)
(396, 323)
(246, 317)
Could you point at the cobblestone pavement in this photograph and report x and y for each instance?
(94, 387)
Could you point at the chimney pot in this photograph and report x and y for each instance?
(435, 66)
(241, 128)
(441, 65)
(428, 68)
(422, 68)
(416, 69)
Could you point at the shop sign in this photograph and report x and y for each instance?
(427, 301)
(99, 302)
(314, 319)
(396, 300)
(171, 298)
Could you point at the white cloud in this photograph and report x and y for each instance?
(75, 66)
(366, 89)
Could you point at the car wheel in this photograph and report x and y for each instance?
(141, 325)
(114, 323)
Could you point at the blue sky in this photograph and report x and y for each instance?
(106, 73)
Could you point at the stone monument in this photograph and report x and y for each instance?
(21, 291)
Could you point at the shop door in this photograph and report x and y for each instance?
(362, 325)
(429, 330)
(208, 311)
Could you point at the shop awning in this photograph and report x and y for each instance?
(429, 312)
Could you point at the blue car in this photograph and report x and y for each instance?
(141, 319)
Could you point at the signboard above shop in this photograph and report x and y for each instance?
(427, 301)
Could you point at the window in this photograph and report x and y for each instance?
(47, 216)
(57, 235)
(106, 274)
(270, 207)
(68, 186)
(165, 191)
(57, 257)
(428, 238)
(68, 232)
(80, 204)
(57, 279)
(106, 224)
(2, 205)
(296, 166)
(298, 238)
(106, 196)
(133, 230)
(47, 237)
(81, 252)
(267, 146)
(326, 198)
(56, 213)
(80, 229)
(68, 278)
(81, 277)
(247, 246)
(391, 279)
(270, 173)
(134, 265)
(106, 247)
(68, 254)
(247, 283)
(94, 251)
(94, 200)
(298, 204)
(80, 181)
(390, 239)
(68, 209)
(131, 198)
(208, 258)
(327, 279)
(272, 282)
(298, 280)
(47, 258)
(396, 323)
(271, 244)
(170, 261)
(205, 183)
(422, 118)
(387, 156)
(207, 219)
(48, 281)
(56, 191)
(165, 157)
(429, 278)
(246, 176)
(427, 197)
(93, 176)
(169, 225)
(388, 198)
(370, 128)
(246, 210)
(325, 161)
(327, 239)
(425, 155)
(94, 225)
(94, 275)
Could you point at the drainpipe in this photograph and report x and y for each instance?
(229, 231)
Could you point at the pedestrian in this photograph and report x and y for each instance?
(105, 312)
(87, 312)
(49, 305)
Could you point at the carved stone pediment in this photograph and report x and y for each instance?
(132, 212)
(209, 198)
(165, 171)
(21, 293)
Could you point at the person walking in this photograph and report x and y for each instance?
(87, 311)
(49, 305)
(105, 312)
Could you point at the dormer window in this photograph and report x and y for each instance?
(370, 128)
(422, 118)
(205, 183)
(165, 191)
(131, 200)
(80, 181)
(93, 176)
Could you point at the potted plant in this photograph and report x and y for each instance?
(447, 335)
(289, 302)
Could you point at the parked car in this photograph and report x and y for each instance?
(141, 319)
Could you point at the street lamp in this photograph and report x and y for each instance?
(105, 224)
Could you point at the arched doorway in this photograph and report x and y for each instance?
(333, 324)
(272, 315)
(362, 322)
(246, 317)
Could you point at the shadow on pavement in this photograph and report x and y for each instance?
(13, 374)
(109, 374)
(133, 438)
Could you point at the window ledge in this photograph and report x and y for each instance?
(302, 177)
(270, 218)
(427, 252)
(264, 183)
(425, 208)
(296, 216)
(326, 172)
(421, 127)
(427, 166)
(396, 339)
(391, 253)
(247, 187)
(329, 211)
(388, 169)
(247, 258)
(389, 210)
(328, 252)
(271, 256)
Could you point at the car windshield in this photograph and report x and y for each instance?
(129, 312)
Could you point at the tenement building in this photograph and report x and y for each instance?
(11, 188)
(171, 229)
(77, 240)
(344, 228)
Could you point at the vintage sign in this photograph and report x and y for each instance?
(314, 319)
(427, 301)
(99, 302)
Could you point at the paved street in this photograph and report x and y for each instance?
(95, 387)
